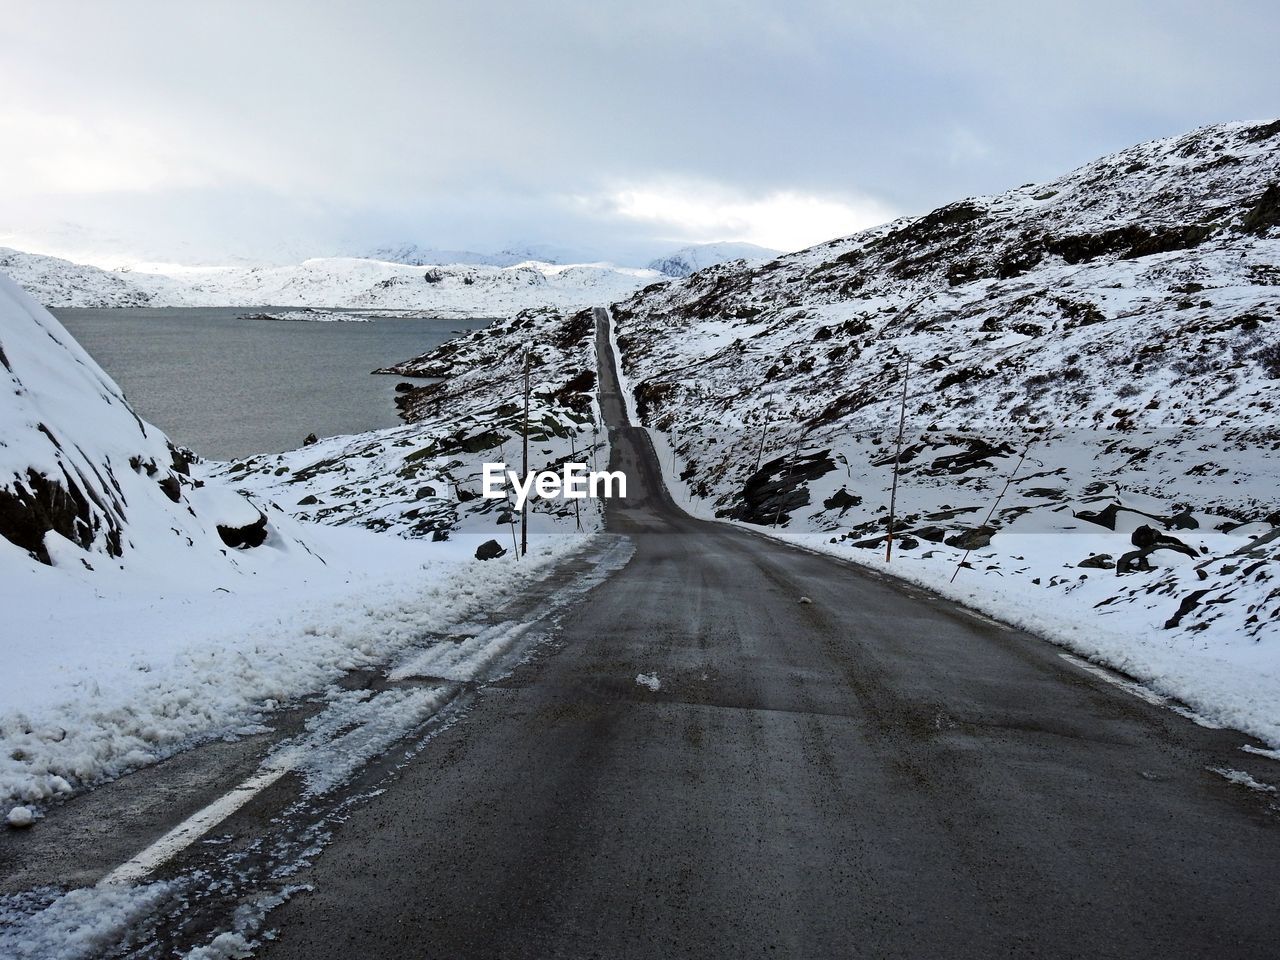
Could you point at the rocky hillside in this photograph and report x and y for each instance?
(1122, 323)
(463, 407)
(86, 484)
(61, 283)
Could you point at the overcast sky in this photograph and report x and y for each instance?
(208, 131)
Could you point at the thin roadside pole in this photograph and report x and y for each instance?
(524, 462)
(511, 513)
(897, 461)
(992, 512)
(573, 450)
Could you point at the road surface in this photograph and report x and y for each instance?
(873, 774)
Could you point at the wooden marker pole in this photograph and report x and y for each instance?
(511, 513)
(573, 448)
(524, 463)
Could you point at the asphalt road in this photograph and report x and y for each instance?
(873, 774)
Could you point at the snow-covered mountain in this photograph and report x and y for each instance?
(689, 260)
(451, 290)
(419, 256)
(1122, 323)
(415, 255)
(61, 283)
(86, 483)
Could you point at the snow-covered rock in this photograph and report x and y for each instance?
(689, 260)
(311, 315)
(84, 481)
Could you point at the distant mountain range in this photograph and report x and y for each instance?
(418, 256)
(405, 277)
(689, 260)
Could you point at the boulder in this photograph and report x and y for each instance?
(933, 534)
(1098, 561)
(1105, 517)
(1146, 537)
(1148, 540)
(973, 539)
(779, 487)
(310, 439)
(490, 550)
(1135, 561)
(841, 500)
(30, 510)
(310, 500)
(171, 486)
(247, 536)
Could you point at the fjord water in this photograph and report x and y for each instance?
(227, 385)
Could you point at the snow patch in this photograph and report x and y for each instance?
(1243, 779)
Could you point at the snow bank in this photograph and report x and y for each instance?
(114, 673)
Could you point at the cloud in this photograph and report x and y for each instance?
(241, 125)
(782, 219)
(48, 153)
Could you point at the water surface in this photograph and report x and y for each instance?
(227, 386)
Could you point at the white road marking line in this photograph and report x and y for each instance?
(982, 616)
(193, 828)
(1128, 686)
(1139, 691)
